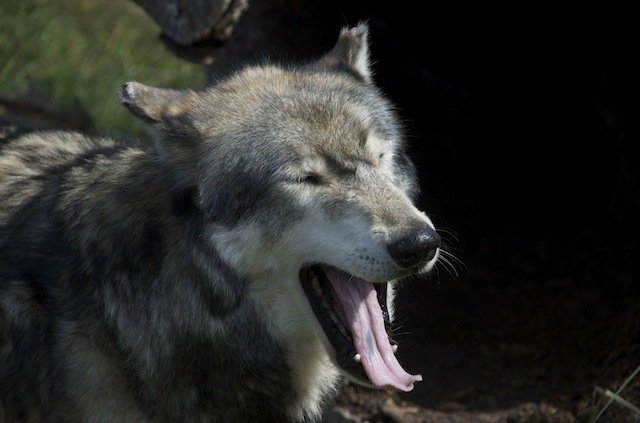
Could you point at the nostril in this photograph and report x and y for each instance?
(415, 247)
(429, 243)
(408, 260)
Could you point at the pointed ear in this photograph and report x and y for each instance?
(352, 51)
(172, 113)
(171, 109)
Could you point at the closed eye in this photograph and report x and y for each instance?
(312, 179)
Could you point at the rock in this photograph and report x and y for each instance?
(187, 22)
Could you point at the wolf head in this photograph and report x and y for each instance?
(302, 177)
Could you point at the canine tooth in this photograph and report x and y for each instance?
(395, 347)
(356, 358)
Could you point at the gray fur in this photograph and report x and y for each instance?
(119, 300)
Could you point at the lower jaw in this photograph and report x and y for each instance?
(343, 351)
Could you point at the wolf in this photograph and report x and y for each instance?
(237, 268)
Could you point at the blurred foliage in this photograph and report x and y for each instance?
(81, 51)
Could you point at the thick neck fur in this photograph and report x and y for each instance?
(200, 333)
(276, 289)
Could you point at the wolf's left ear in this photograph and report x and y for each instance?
(170, 109)
(352, 51)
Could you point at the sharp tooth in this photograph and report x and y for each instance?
(356, 358)
(395, 348)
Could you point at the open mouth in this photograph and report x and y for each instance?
(354, 317)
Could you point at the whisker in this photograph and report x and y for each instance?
(449, 267)
(455, 260)
(449, 232)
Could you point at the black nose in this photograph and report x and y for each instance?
(414, 247)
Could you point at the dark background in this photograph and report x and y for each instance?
(521, 123)
(521, 120)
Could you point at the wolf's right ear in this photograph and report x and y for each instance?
(172, 113)
(170, 109)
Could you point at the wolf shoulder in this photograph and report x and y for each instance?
(66, 166)
(68, 198)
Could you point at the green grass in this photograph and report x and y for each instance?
(81, 51)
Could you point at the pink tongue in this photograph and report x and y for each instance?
(363, 315)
